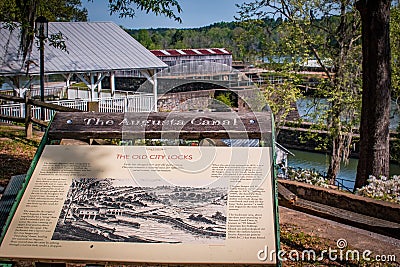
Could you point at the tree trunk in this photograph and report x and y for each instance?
(374, 128)
(335, 158)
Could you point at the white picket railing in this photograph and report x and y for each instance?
(74, 92)
(112, 105)
(13, 110)
(78, 104)
(130, 103)
(49, 92)
(56, 91)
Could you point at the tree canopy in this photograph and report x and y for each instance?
(53, 10)
(24, 12)
(128, 8)
(395, 49)
(328, 32)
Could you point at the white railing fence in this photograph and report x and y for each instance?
(75, 92)
(49, 92)
(54, 92)
(78, 104)
(130, 103)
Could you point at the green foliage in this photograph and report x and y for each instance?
(128, 8)
(256, 39)
(25, 13)
(57, 40)
(395, 147)
(225, 98)
(60, 10)
(282, 96)
(145, 39)
(395, 50)
(329, 33)
(229, 35)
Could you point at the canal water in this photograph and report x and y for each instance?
(307, 108)
(320, 162)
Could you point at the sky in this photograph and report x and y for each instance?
(196, 13)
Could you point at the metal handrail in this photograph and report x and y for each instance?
(341, 186)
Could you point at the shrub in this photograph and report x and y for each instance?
(307, 176)
(382, 188)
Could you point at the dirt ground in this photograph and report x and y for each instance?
(16, 152)
(357, 239)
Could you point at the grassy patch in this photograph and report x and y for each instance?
(16, 151)
(295, 242)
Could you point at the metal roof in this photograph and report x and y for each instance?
(91, 46)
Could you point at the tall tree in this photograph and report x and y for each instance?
(281, 97)
(395, 52)
(374, 128)
(26, 11)
(327, 31)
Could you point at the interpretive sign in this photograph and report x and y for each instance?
(162, 125)
(147, 204)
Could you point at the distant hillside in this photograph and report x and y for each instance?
(223, 34)
(216, 35)
(247, 40)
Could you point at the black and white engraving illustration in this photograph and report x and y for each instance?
(115, 211)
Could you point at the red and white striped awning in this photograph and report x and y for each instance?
(190, 52)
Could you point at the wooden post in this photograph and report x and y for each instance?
(93, 106)
(92, 86)
(28, 115)
(112, 83)
(99, 85)
(154, 78)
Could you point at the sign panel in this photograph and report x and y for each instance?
(162, 125)
(147, 204)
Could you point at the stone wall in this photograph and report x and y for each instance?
(185, 101)
(367, 206)
(300, 138)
